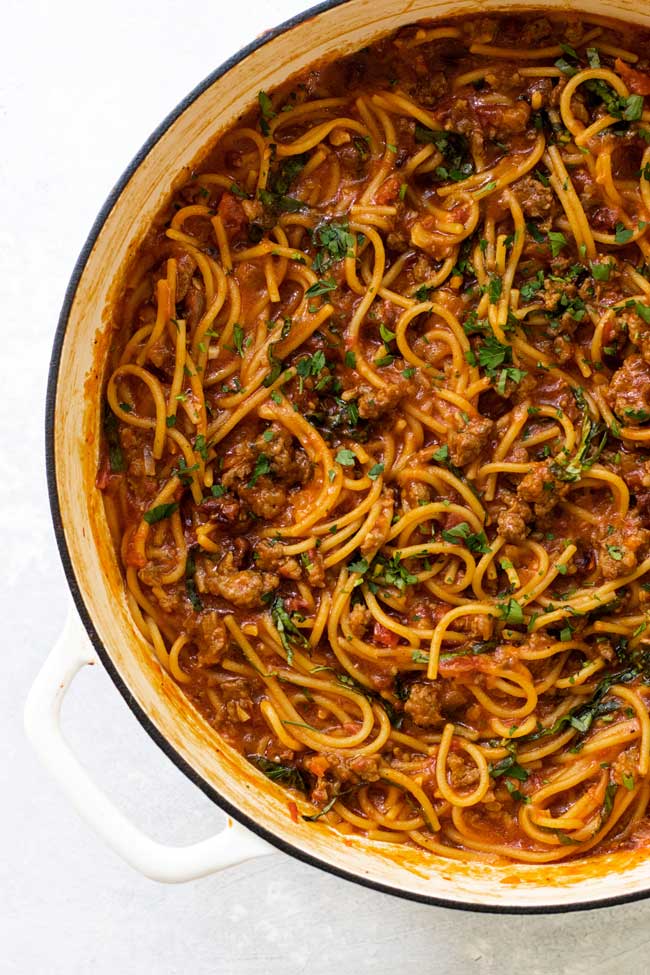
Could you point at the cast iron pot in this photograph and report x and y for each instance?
(259, 821)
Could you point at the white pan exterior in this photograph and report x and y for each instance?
(74, 442)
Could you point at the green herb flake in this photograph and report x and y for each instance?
(557, 241)
(511, 612)
(441, 455)
(115, 455)
(266, 108)
(454, 148)
(621, 234)
(321, 287)
(509, 766)
(494, 289)
(345, 457)
(290, 635)
(361, 566)
(262, 467)
(160, 512)
(475, 541)
(238, 339)
(287, 775)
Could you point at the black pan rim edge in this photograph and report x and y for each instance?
(50, 462)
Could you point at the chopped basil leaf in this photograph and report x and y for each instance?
(286, 774)
(289, 633)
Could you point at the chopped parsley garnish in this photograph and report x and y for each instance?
(608, 804)
(183, 472)
(453, 147)
(511, 612)
(238, 338)
(602, 271)
(492, 354)
(335, 242)
(361, 566)
(529, 288)
(276, 368)
(589, 450)
(320, 287)
(201, 447)
(278, 202)
(494, 289)
(386, 334)
(393, 573)
(535, 232)
(639, 416)
(311, 365)
(496, 359)
(262, 466)
(115, 455)
(345, 457)
(633, 108)
(622, 234)
(557, 241)
(441, 454)
(160, 512)
(643, 311)
(266, 109)
(475, 541)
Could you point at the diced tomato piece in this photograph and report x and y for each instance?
(134, 549)
(384, 636)
(637, 81)
(388, 191)
(293, 811)
(318, 765)
(608, 331)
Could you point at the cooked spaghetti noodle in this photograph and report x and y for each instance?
(376, 439)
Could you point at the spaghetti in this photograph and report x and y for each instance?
(375, 455)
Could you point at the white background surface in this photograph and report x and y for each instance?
(82, 84)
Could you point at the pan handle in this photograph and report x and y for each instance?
(167, 864)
